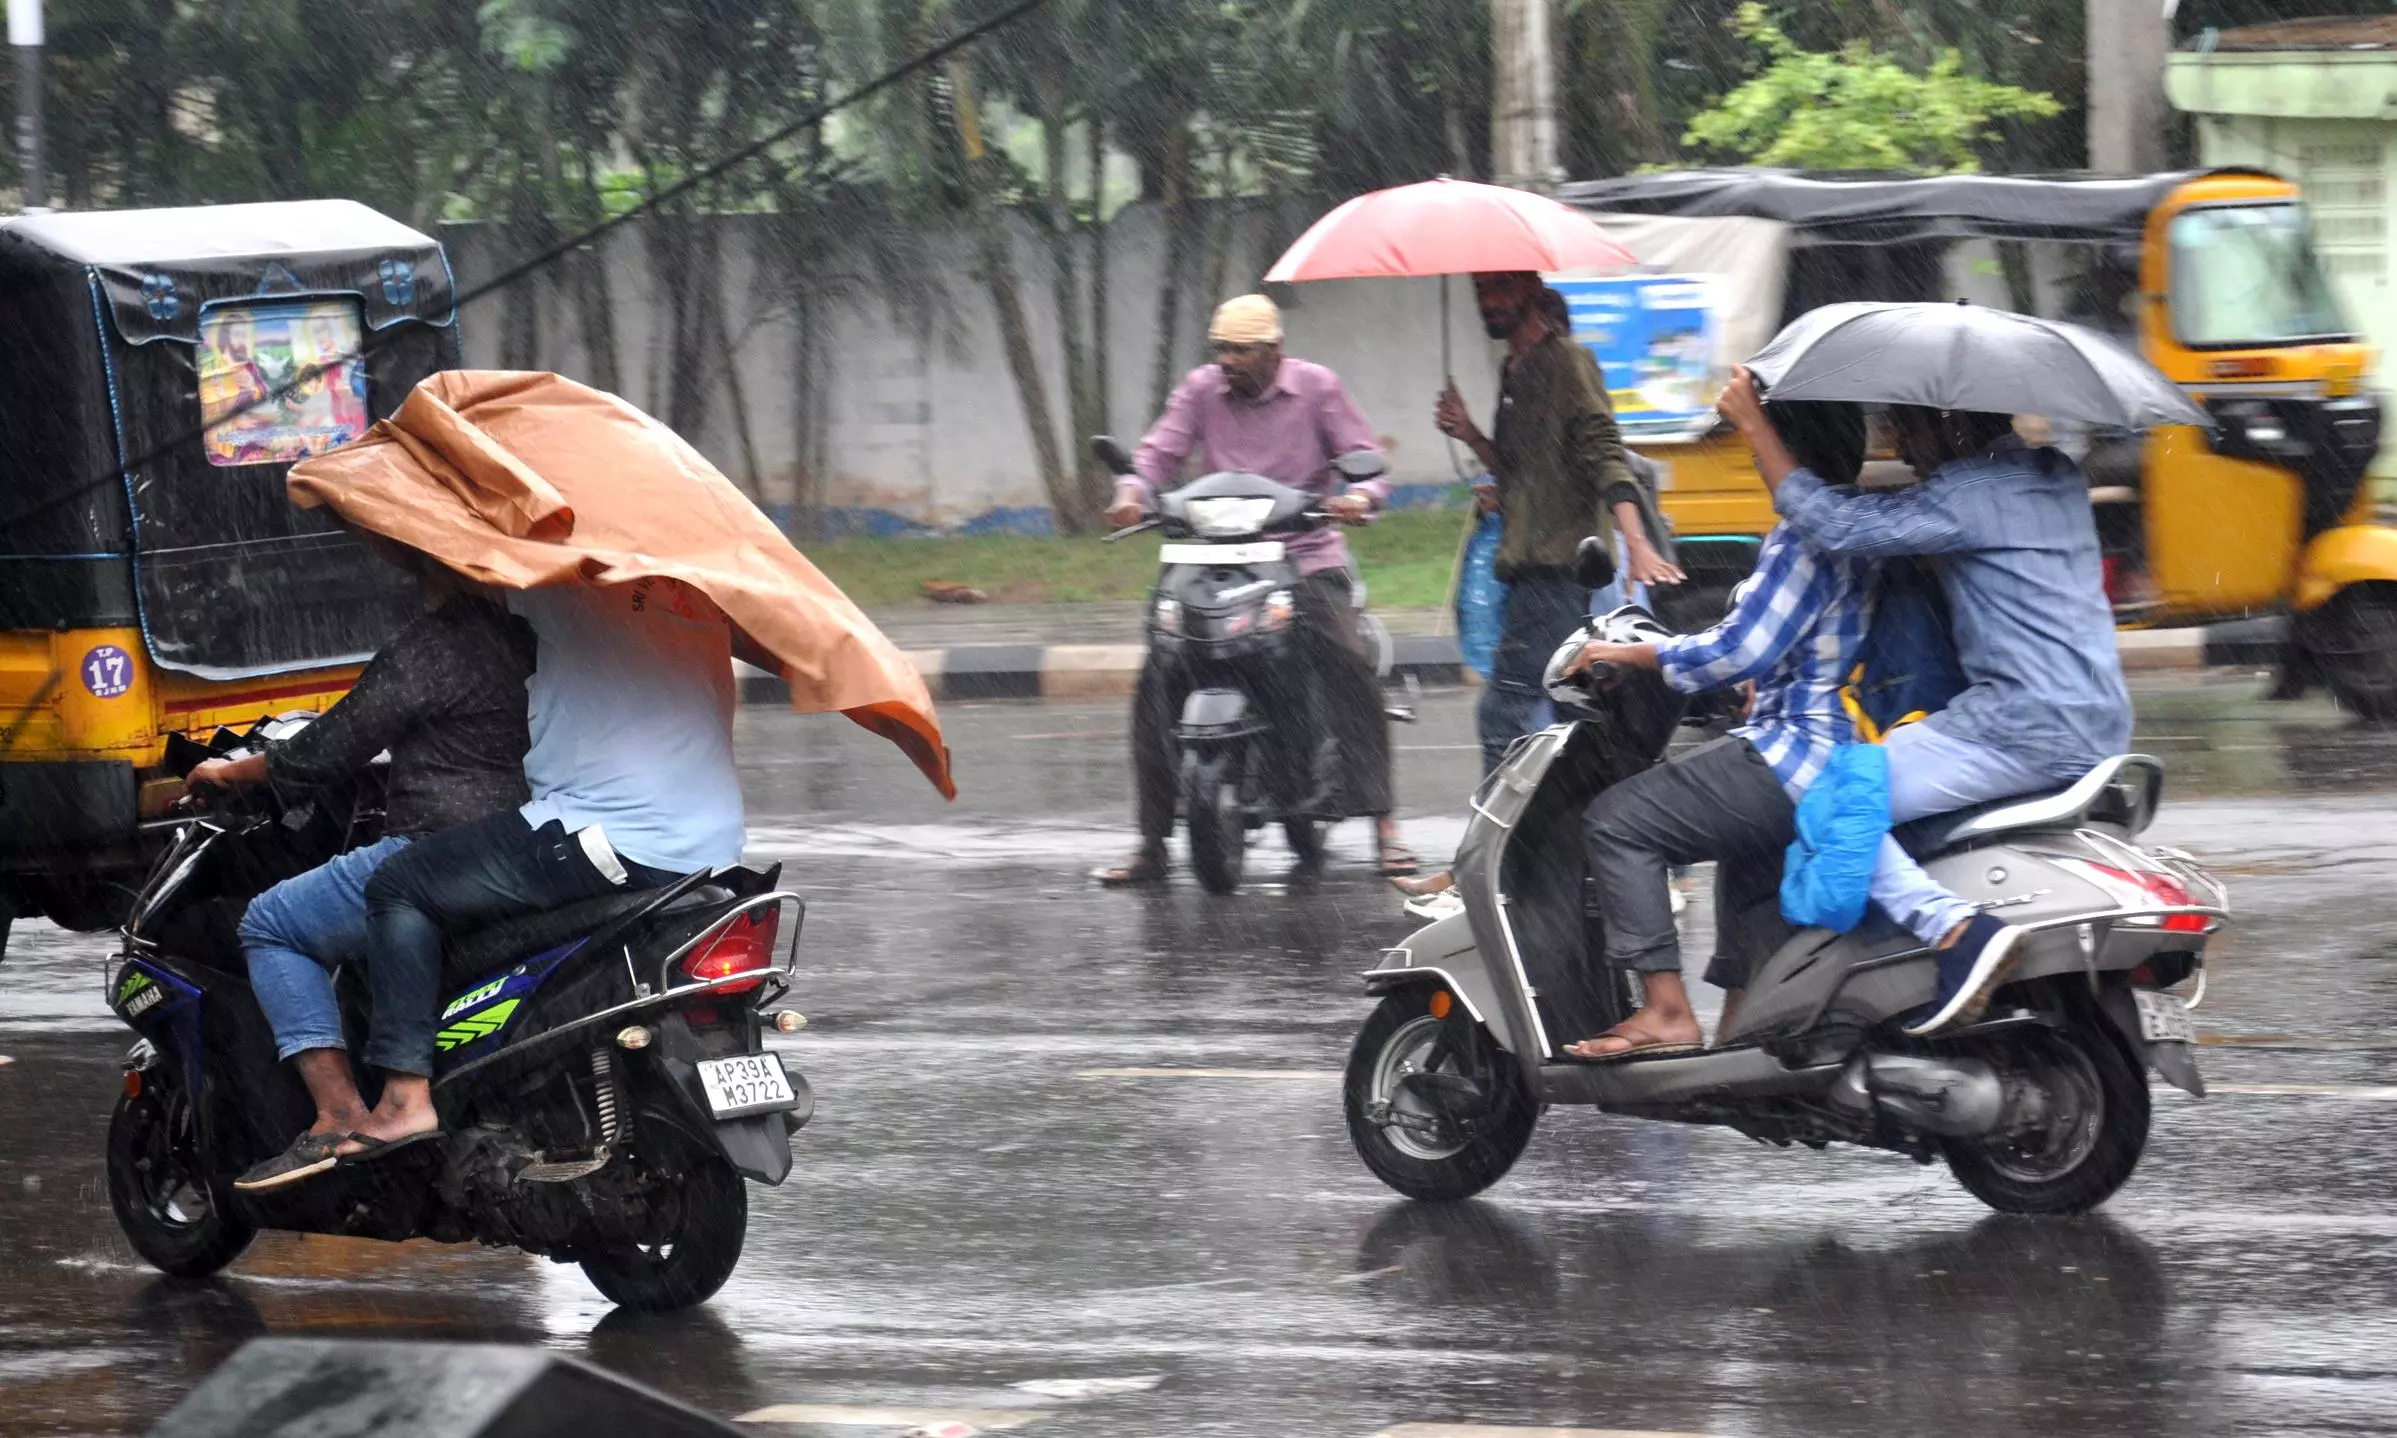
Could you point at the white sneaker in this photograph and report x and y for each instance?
(1431, 908)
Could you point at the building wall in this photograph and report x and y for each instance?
(915, 420)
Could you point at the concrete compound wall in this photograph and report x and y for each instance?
(918, 423)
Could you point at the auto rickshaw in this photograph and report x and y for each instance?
(160, 370)
(2211, 275)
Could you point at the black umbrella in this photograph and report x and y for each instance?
(1966, 357)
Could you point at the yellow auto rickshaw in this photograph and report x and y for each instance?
(2211, 275)
(160, 370)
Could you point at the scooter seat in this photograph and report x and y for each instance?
(466, 959)
(2123, 792)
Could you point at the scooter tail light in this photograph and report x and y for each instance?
(742, 944)
(2144, 889)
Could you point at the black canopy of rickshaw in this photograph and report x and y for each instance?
(111, 511)
(1868, 208)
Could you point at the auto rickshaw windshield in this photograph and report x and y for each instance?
(2245, 276)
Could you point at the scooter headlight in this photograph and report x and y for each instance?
(1227, 518)
(1169, 616)
(1279, 607)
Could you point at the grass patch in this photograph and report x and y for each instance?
(1405, 555)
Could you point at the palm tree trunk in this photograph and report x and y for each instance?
(1177, 222)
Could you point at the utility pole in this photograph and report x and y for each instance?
(25, 38)
(1523, 95)
(2128, 115)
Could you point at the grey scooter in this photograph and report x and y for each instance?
(2039, 1107)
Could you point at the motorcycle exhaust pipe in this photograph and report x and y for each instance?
(1955, 1098)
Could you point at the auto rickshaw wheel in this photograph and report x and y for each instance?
(2352, 642)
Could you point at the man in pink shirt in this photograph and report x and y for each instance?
(1258, 412)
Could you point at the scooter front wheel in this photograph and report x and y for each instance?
(1218, 820)
(1435, 1108)
(174, 1213)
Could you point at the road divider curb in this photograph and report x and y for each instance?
(1108, 671)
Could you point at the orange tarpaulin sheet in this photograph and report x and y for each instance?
(526, 480)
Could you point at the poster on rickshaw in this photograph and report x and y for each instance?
(281, 380)
(1654, 336)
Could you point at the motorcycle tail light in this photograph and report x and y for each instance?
(745, 944)
(2140, 888)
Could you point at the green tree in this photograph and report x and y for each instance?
(1856, 108)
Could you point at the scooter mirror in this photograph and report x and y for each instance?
(1361, 464)
(1110, 452)
(1594, 563)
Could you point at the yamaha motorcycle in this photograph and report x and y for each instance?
(2039, 1107)
(1223, 612)
(600, 1074)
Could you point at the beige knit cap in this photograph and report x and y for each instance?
(1247, 320)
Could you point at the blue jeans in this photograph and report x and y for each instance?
(296, 933)
(455, 882)
(1930, 773)
(1543, 606)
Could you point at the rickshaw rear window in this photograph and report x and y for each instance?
(2247, 275)
(281, 380)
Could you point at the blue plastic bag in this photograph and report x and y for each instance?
(1481, 597)
(1828, 877)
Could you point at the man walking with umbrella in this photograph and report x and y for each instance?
(1558, 461)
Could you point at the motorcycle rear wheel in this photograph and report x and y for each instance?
(1218, 820)
(1439, 1166)
(178, 1218)
(709, 1229)
(2080, 1160)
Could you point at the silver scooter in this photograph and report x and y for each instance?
(2039, 1107)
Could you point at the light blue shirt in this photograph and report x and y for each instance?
(2018, 558)
(631, 706)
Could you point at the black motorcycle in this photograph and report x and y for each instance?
(1223, 611)
(600, 1072)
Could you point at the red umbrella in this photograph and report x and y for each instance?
(1447, 227)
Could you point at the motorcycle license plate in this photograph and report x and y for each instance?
(746, 1084)
(2163, 1018)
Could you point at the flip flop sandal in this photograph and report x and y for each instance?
(1639, 1051)
(381, 1148)
(1143, 870)
(1399, 863)
(309, 1155)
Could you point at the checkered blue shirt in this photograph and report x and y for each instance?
(1795, 627)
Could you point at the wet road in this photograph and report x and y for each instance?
(996, 1204)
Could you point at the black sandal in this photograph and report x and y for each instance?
(379, 1148)
(309, 1155)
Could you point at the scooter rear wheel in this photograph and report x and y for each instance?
(1407, 1142)
(176, 1216)
(2096, 1133)
(710, 1225)
(1218, 821)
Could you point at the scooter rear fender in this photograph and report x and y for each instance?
(1859, 980)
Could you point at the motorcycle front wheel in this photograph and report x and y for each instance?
(2090, 1139)
(1402, 1133)
(178, 1218)
(1217, 817)
(706, 1227)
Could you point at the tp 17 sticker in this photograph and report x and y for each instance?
(107, 671)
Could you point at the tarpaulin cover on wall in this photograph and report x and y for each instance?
(123, 334)
(526, 480)
(1883, 209)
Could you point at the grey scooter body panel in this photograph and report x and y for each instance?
(1809, 1008)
